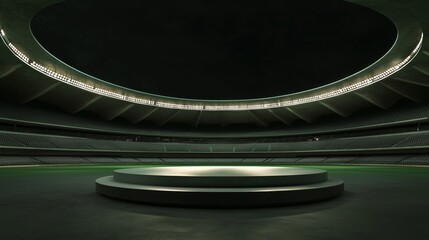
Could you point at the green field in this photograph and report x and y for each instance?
(47, 202)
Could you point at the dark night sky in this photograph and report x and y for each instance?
(219, 49)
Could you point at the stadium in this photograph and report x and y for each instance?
(90, 87)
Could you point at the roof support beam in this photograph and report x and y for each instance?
(145, 115)
(407, 90)
(117, 112)
(335, 109)
(421, 70)
(420, 83)
(10, 70)
(41, 92)
(299, 115)
(279, 117)
(197, 121)
(86, 104)
(175, 112)
(258, 121)
(377, 101)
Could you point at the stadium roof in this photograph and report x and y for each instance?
(31, 73)
(222, 50)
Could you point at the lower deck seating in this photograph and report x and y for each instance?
(91, 151)
(18, 141)
(376, 159)
(60, 160)
(416, 160)
(18, 160)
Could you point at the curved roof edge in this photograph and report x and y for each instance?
(24, 46)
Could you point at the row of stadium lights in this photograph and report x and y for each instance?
(202, 107)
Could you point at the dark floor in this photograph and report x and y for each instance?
(60, 203)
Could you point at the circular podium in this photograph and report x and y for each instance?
(220, 186)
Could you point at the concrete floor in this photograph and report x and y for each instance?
(60, 203)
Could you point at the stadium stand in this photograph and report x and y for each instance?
(404, 113)
(39, 133)
(39, 148)
(416, 160)
(18, 160)
(61, 160)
